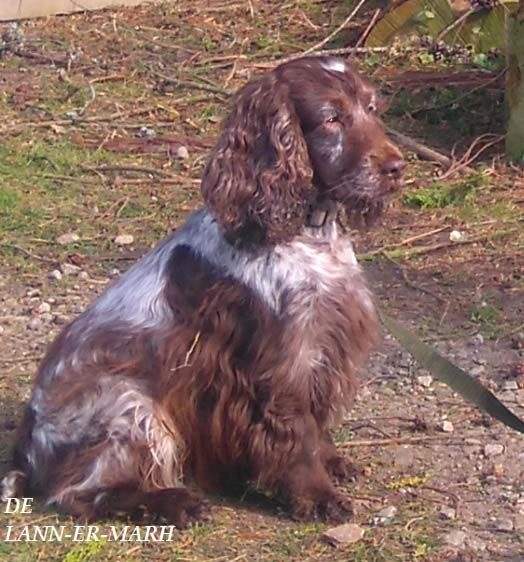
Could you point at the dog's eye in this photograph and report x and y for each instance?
(332, 119)
(372, 107)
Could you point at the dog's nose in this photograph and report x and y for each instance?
(393, 167)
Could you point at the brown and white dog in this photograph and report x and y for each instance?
(223, 357)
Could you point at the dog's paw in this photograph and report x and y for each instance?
(341, 468)
(331, 507)
(179, 507)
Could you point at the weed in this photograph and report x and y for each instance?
(485, 314)
(441, 195)
(85, 552)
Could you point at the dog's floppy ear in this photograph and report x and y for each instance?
(257, 182)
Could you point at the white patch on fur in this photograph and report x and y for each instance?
(130, 419)
(10, 485)
(336, 65)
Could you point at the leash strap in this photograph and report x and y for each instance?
(456, 378)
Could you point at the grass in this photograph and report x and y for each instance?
(440, 195)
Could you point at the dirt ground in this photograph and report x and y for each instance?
(106, 122)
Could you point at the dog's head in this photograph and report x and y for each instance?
(308, 130)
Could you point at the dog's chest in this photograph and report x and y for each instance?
(299, 278)
(320, 292)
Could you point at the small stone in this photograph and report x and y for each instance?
(498, 470)
(43, 307)
(446, 426)
(387, 512)
(2, 330)
(510, 385)
(83, 275)
(47, 317)
(146, 132)
(477, 371)
(55, 274)
(115, 272)
(447, 512)
(343, 534)
(33, 293)
(503, 525)
(34, 324)
(182, 152)
(456, 236)
(124, 239)
(69, 269)
(425, 381)
(493, 449)
(455, 538)
(477, 339)
(68, 238)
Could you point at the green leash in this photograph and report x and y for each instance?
(453, 376)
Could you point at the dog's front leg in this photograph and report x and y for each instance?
(336, 464)
(288, 458)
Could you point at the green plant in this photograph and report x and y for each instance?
(441, 195)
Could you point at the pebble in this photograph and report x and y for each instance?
(115, 272)
(124, 239)
(43, 307)
(425, 381)
(83, 275)
(68, 238)
(493, 449)
(385, 515)
(146, 132)
(1, 329)
(344, 534)
(446, 426)
(69, 269)
(510, 385)
(477, 339)
(34, 324)
(33, 293)
(503, 525)
(47, 317)
(55, 274)
(182, 153)
(447, 512)
(477, 370)
(456, 236)
(455, 538)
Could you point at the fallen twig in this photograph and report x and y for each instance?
(399, 440)
(338, 52)
(418, 250)
(454, 24)
(369, 27)
(464, 162)
(138, 169)
(28, 253)
(192, 85)
(421, 150)
(336, 31)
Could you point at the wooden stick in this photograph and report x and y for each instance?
(336, 31)
(421, 150)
